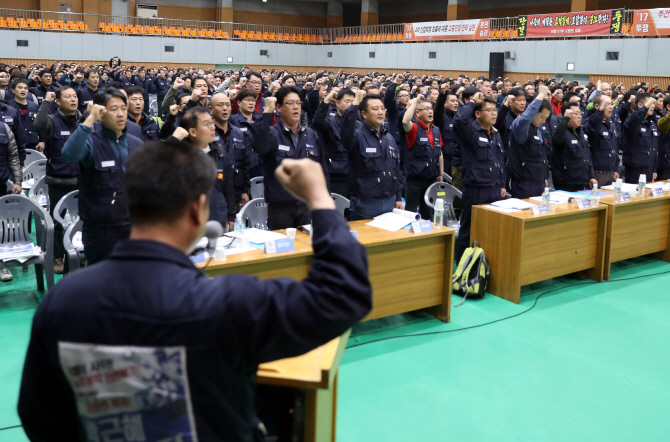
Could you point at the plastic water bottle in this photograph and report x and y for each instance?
(594, 191)
(546, 196)
(642, 185)
(238, 227)
(617, 190)
(438, 216)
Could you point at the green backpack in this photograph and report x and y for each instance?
(472, 273)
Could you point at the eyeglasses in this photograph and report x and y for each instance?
(209, 124)
(293, 104)
(249, 100)
(490, 111)
(254, 82)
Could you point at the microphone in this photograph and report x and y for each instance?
(213, 231)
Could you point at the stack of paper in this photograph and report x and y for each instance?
(20, 253)
(259, 236)
(559, 197)
(513, 203)
(395, 220)
(625, 187)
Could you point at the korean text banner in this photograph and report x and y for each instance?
(570, 23)
(651, 22)
(448, 30)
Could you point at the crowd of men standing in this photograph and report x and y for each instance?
(381, 140)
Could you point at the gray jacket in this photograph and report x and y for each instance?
(13, 160)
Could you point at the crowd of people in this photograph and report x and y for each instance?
(382, 140)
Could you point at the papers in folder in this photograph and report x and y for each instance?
(395, 220)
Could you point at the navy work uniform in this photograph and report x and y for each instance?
(234, 144)
(256, 167)
(61, 174)
(27, 115)
(148, 126)
(527, 154)
(125, 81)
(328, 122)
(444, 120)
(274, 144)
(604, 143)
(572, 167)
(422, 165)
(102, 159)
(483, 169)
(222, 206)
(149, 295)
(162, 86)
(663, 168)
(11, 117)
(85, 95)
(374, 165)
(40, 93)
(640, 145)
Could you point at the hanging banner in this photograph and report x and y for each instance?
(651, 22)
(448, 30)
(570, 23)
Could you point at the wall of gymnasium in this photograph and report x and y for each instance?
(636, 56)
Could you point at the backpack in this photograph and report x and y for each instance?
(472, 274)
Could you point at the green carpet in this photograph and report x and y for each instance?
(588, 363)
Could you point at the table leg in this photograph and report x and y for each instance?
(443, 311)
(320, 413)
(602, 264)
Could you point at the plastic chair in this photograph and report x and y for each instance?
(254, 212)
(66, 211)
(447, 178)
(32, 155)
(14, 219)
(74, 255)
(257, 188)
(342, 204)
(36, 170)
(447, 192)
(39, 190)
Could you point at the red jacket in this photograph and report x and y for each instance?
(556, 106)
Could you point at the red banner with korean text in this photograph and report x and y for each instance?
(651, 22)
(571, 23)
(447, 30)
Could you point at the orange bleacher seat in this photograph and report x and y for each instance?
(243, 34)
(273, 36)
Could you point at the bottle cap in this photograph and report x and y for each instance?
(439, 204)
(546, 189)
(619, 182)
(595, 187)
(643, 178)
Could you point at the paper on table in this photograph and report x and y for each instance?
(513, 203)
(659, 185)
(390, 221)
(406, 213)
(557, 197)
(625, 187)
(259, 236)
(502, 209)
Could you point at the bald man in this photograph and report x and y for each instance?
(231, 139)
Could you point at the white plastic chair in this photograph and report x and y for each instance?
(255, 213)
(32, 155)
(342, 204)
(257, 188)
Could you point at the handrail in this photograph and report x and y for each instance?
(503, 28)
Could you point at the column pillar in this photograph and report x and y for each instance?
(334, 17)
(224, 10)
(369, 13)
(457, 10)
(584, 5)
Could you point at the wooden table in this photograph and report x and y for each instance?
(637, 227)
(315, 372)
(408, 271)
(522, 248)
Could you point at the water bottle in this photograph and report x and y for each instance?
(642, 185)
(238, 227)
(545, 196)
(594, 191)
(438, 217)
(617, 190)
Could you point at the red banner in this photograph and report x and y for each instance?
(566, 24)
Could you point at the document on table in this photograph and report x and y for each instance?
(660, 185)
(559, 197)
(502, 209)
(625, 187)
(258, 236)
(513, 203)
(395, 220)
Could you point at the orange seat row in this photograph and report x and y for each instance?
(359, 38)
(11, 22)
(278, 36)
(504, 33)
(112, 28)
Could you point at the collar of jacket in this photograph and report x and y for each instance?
(151, 251)
(111, 135)
(378, 133)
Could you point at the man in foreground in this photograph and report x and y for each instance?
(140, 332)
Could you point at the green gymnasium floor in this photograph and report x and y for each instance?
(590, 362)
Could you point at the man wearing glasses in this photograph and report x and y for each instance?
(274, 143)
(255, 83)
(198, 127)
(483, 162)
(424, 162)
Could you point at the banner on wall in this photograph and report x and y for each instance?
(651, 22)
(448, 30)
(571, 24)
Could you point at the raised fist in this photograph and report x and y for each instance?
(178, 83)
(270, 104)
(51, 96)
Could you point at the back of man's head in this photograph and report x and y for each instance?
(163, 179)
